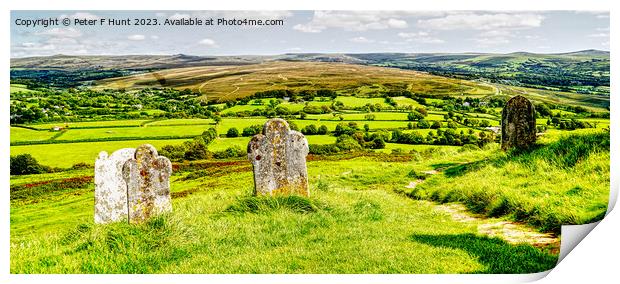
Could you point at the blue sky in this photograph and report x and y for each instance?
(317, 31)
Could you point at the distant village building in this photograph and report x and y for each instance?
(56, 128)
(466, 104)
(495, 129)
(286, 99)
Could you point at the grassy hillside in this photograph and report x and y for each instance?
(230, 82)
(353, 223)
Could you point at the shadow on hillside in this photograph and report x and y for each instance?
(564, 153)
(461, 169)
(495, 254)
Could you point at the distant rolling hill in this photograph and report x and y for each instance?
(584, 71)
(127, 62)
(229, 82)
(580, 77)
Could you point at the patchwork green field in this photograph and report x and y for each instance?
(65, 155)
(405, 172)
(20, 88)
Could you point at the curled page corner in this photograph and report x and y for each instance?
(531, 277)
(572, 235)
(613, 193)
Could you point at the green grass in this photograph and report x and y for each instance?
(66, 155)
(408, 147)
(241, 123)
(320, 139)
(331, 125)
(221, 144)
(238, 123)
(561, 182)
(186, 121)
(482, 115)
(20, 88)
(401, 116)
(103, 123)
(145, 131)
(292, 107)
(403, 101)
(353, 102)
(350, 224)
(23, 134)
(239, 108)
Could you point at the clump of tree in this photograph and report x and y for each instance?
(232, 132)
(443, 137)
(570, 124)
(196, 149)
(346, 133)
(26, 164)
(252, 130)
(230, 152)
(311, 129)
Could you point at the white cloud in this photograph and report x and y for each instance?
(599, 35)
(61, 32)
(178, 16)
(81, 15)
(136, 37)
(597, 14)
(361, 39)
(396, 23)
(353, 21)
(486, 41)
(487, 21)
(307, 28)
(258, 15)
(154, 37)
(277, 14)
(208, 42)
(605, 44)
(420, 37)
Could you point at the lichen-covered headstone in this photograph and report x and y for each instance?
(279, 160)
(148, 184)
(518, 124)
(110, 187)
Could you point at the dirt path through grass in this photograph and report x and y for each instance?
(511, 232)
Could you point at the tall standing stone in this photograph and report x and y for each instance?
(279, 160)
(518, 124)
(110, 187)
(148, 184)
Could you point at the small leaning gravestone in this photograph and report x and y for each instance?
(278, 157)
(518, 124)
(148, 184)
(110, 187)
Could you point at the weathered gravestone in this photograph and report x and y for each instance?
(279, 160)
(110, 187)
(518, 124)
(148, 184)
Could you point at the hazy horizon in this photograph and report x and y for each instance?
(301, 53)
(326, 32)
